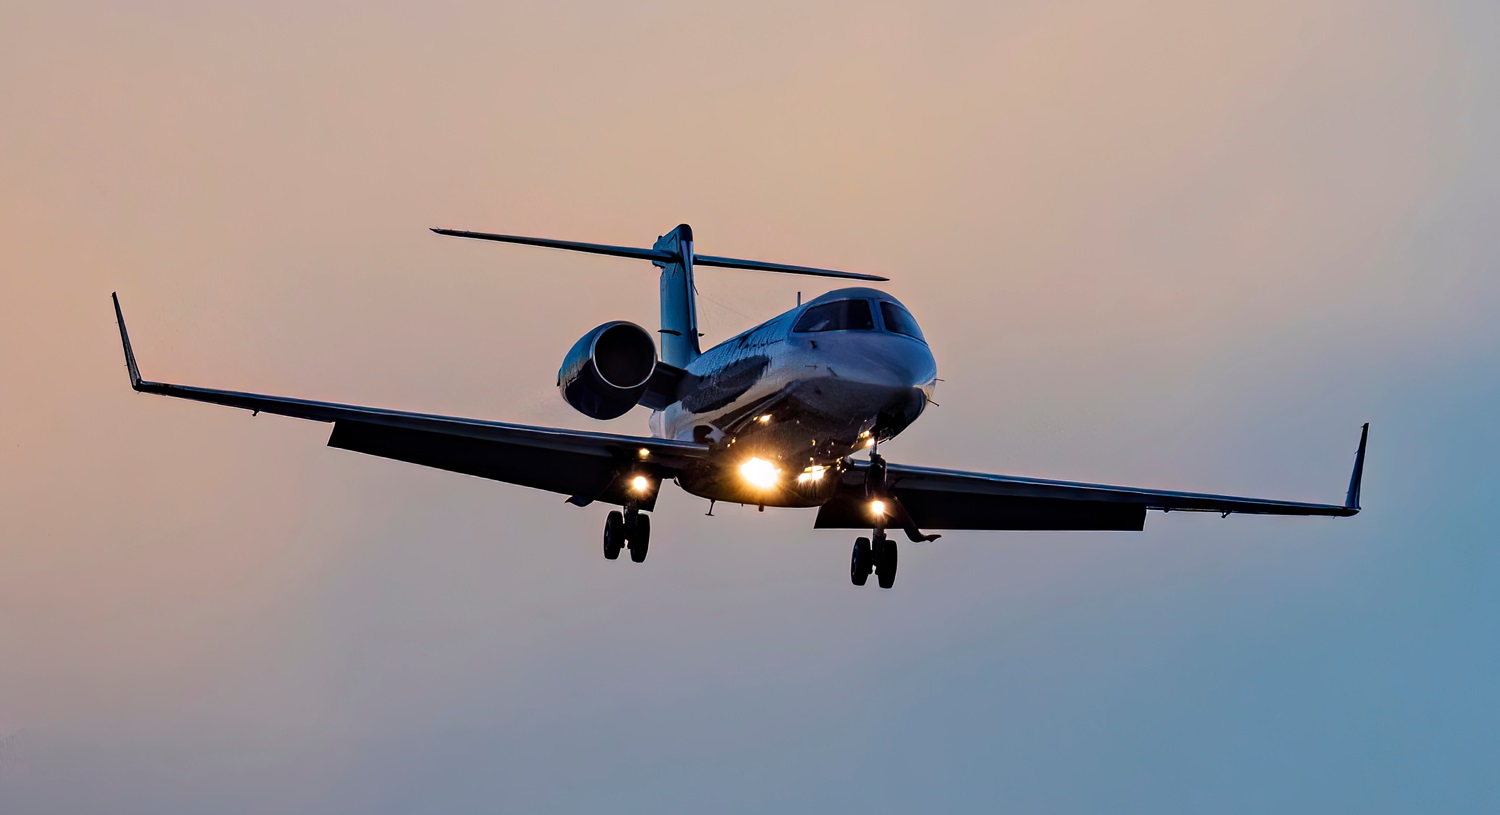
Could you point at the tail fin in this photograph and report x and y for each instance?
(679, 309)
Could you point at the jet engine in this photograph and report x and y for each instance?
(605, 373)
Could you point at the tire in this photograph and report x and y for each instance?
(640, 537)
(614, 535)
(887, 560)
(860, 561)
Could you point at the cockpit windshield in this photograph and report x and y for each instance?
(841, 315)
(899, 320)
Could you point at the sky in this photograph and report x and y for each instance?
(1167, 243)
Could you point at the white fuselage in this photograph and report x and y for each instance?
(803, 393)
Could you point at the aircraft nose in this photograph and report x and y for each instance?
(896, 363)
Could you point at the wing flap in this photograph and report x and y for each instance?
(597, 477)
(953, 482)
(931, 509)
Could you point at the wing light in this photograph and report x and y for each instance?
(811, 475)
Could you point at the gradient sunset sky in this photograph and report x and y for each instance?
(1173, 244)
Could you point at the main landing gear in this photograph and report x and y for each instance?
(631, 528)
(878, 556)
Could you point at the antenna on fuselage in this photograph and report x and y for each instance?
(799, 298)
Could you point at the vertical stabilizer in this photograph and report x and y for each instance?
(679, 310)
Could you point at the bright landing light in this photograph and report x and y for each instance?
(760, 473)
(877, 508)
(640, 484)
(811, 474)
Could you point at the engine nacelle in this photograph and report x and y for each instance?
(605, 373)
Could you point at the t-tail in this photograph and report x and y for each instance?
(674, 254)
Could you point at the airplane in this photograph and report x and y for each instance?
(772, 416)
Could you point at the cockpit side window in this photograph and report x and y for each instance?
(842, 315)
(899, 320)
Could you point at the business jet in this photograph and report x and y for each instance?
(772, 417)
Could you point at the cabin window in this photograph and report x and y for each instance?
(843, 315)
(900, 321)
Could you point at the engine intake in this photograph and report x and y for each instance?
(605, 373)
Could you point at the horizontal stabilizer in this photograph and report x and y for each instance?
(658, 255)
(763, 266)
(575, 246)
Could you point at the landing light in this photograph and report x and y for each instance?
(869, 442)
(764, 418)
(644, 453)
(640, 484)
(811, 474)
(760, 473)
(877, 508)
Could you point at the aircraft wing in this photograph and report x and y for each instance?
(928, 498)
(583, 465)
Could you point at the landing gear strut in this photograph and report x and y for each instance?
(877, 553)
(629, 528)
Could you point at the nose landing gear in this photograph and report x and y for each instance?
(629, 528)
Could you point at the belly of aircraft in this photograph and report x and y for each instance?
(801, 405)
(805, 429)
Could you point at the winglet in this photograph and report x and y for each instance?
(135, 371)
(1351, 501)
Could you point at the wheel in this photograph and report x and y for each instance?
(614, 535)
(639, 533)
(860, 562)
(885, 559)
